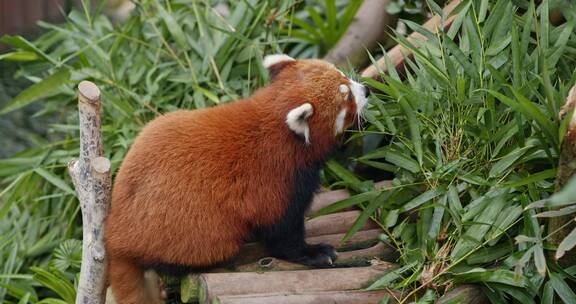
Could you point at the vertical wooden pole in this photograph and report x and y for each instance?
(92, 180)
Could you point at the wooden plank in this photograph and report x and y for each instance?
(12, 14)
(33, 10)
(213, 285)
(332, 297)
(54, 9)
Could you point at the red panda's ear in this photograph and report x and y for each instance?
(297, 120)
(275, 63)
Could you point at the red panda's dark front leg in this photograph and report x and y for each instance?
(285, 238)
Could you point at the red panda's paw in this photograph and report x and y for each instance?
(319, 255)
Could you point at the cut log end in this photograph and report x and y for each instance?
(88, 92)
(101, 164)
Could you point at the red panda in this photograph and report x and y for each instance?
(197, 184)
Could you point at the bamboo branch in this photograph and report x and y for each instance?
(397, 53)
(566, 169)
(92, 180)
(335, 297)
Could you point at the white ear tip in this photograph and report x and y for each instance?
(271, 60)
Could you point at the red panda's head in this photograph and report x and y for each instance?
(319, 100)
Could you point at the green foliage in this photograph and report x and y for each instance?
(471, 134)
(319, 25)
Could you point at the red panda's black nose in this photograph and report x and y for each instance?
(366, 91)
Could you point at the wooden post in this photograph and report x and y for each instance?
(566, 169)
(92, 180)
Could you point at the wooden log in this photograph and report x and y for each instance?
(470, 294)
(360, 239)
(252, 252)
(92, 180)
(370, 27)
(333, 297)
(566, 170)
(335, 223)
(212, 285)
(327, 198)
(397, 53)
(361, 257)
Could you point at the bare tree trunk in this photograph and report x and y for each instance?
(91, 177)
(397, 53)
(566, 170)
(369, 27)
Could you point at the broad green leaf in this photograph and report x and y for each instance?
(503, 164)
(391, 276)
(533, 178)
(54, 180)
(422, 199)
(562, 289)
(56, 283)
(567, 243)
(39, 90)
(345, 203)
(19, 56)
(414, 128)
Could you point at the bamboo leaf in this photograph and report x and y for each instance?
(567, 243)
(54, 180)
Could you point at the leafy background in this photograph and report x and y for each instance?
(469, 131)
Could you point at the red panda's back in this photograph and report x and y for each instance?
(189, 183)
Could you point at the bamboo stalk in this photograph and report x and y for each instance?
(92, 180)
(397, 53)
(566, 169)
(212, 285)
(333, 297)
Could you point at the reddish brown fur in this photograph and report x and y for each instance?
(195, 183)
